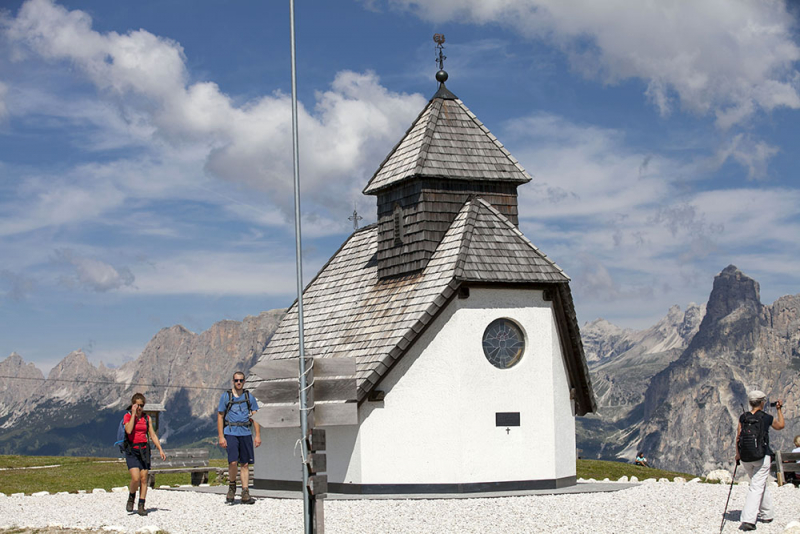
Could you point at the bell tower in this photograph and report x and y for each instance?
(445, 158)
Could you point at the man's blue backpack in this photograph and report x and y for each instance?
(123, 442)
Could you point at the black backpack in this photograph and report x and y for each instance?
(231, 402)
(753, 440)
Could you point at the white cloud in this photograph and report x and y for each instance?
(206, 272)
(19, 285)
(753, 217)
(626, 225)
(752, 154)
(41, 203)
(352, 125)
(583, 170)
(94, 274)
(727, 57)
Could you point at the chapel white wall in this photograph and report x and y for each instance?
(437, 422)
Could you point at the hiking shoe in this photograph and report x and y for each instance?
(765, 520)
(231, 493)
(246, 498)
(129, 507)
(747, 526)
(142, 511)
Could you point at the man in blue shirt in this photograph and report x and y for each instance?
(236, 406)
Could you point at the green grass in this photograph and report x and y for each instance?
(76, 473)
(599, 469)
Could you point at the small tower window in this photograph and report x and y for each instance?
(397, 217)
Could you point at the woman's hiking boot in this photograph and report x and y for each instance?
(231, 493)
(142, 510)
(131, 500)
(246, 498)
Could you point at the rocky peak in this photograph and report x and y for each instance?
(15, 366)
(24, 380)
(733, 290)
(734, 315)
(603, 340)
(75, 364)
(13, 359)
(691, 320)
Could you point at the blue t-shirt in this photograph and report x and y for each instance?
(239, 413)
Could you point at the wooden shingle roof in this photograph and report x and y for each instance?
(349, 311)
(494, 250)
(447, 141)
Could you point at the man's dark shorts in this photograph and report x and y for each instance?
(240, 449)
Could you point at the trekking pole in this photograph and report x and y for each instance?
(733, 479)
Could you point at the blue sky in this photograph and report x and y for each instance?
(146, 170)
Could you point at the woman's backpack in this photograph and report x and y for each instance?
(123, 442)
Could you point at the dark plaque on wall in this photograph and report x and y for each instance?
(506, 418)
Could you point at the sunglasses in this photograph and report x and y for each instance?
(137, 404)
(238, 379)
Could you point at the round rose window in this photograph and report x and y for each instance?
(503, 343)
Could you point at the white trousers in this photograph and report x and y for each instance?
(759, 500)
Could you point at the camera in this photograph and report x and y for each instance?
(773, 404)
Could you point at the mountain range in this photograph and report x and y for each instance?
(65, 413)
(674, 390)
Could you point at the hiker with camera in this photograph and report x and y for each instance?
(137, 427)
(752, 449)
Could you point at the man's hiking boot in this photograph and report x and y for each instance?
(747, 526)
(231, 493)
(129, 505)
(246, 498)
(142, 511)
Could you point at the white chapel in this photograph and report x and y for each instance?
(470, 367)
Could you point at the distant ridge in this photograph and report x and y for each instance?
(62, 416)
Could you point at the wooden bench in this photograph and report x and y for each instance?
(193, 461)
(786, 462)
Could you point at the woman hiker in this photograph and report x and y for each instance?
(137, 450)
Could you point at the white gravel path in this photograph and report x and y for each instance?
(648, 508)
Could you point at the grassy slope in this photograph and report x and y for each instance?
(76, 473)
(600, 469)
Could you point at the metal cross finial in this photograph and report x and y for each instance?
(439, 39)
(355, 217)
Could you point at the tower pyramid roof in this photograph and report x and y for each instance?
(447, 141)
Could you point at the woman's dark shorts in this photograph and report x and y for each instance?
(138, 457)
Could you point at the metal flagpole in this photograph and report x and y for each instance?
(308, 508)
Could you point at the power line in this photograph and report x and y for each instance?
(111, 383)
